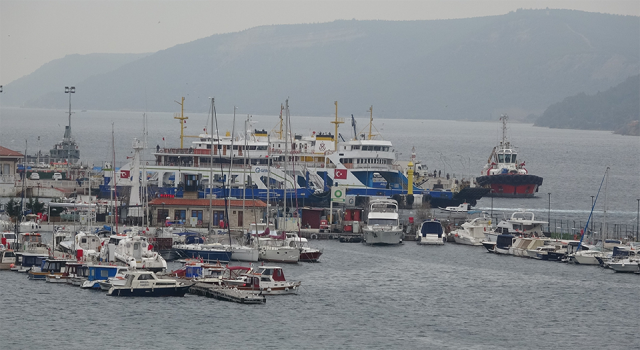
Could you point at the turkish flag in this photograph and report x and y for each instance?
(340, 174)
(124, 174)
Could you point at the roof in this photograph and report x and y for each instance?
(5, 152)
(205, 202)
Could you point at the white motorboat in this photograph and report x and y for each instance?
(133, 251)
(630, 264)
(383, 227)
(147, 284)
(267, 279)
(472, 232)
(522, 245)
(430, 232)
(307, 253)
(521, 223)
(275, 250)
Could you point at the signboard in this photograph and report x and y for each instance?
(338, 194)
(193, 221)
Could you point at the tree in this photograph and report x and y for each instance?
(13, 209)
(35, 206)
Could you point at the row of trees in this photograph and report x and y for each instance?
(14, 207)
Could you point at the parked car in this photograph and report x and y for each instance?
(56, 176)
(34, 176)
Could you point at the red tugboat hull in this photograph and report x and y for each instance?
(514, 186)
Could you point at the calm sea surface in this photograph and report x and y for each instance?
(402, 297)
(360, 297)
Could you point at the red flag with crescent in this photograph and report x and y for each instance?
(340, 174)
(124, 174)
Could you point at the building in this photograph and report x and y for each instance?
(196, 213)
(9, 162)
(8, 170)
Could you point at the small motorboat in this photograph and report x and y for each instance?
(430, 232)
(147, 284)
(267, 280)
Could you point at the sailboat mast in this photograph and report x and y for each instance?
(286, 159)
(606, 184)
(211, 169)
(268, 174)
(228, 203)
(370, 123)
(244, 170)
(115, 187)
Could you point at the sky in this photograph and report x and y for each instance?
(34, 32)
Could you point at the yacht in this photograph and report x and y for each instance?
(521, 223)
(473, 232)
(430, 232)
(134, 251)
(383, 226)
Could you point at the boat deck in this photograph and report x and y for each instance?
(227, 294)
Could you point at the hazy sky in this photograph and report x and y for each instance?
(33, 33)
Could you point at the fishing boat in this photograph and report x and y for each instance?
(268, 280)
(430, 232)
(27, 261)
(70, 271)
(383, 226)
(503, 243)
(147, 284)
(504, 174)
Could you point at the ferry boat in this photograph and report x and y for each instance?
(256, 165)
(383, 226)
(504, 175)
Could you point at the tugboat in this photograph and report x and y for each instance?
(504, 175)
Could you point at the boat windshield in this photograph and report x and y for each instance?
(383, 222)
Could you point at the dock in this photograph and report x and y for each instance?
(228, 294)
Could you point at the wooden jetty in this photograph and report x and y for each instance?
(228, 294)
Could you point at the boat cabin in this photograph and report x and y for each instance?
(431, 227)
(30, 259)
(103, 272)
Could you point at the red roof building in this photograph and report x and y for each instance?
(9, 161)
(196, 213)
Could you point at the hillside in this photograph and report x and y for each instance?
(476, 68)
(51, 78)
(612, 109)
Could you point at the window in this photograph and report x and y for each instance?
(162, 214)
(507, 158)
(382, 222)
(104, 273)
(513, 158)
(376, 148)
(197, 214)
(180, 214)
(500, 158)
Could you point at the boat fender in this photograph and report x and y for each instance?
(314, 236)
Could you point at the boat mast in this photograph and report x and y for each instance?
(606, 184)
(228, 203)
(115, 187)
(370, 122)
(244, 170)
(268, 176)
(286, 159)
(182, 119)
(336, 122)
(211, 169)
(504, 119)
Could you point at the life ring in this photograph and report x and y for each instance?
(314, 236)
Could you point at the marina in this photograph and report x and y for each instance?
(351, 280)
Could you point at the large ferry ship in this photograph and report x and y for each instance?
(256, 165)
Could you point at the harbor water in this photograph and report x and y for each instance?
(358, 297)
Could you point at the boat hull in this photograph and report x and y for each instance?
(206, 255)
(245, 254)
(310, 256)
(624, 267)
(290, 256)
(515, 186)
(382, 237)
(177, 291)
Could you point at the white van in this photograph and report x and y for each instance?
(56, 176)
